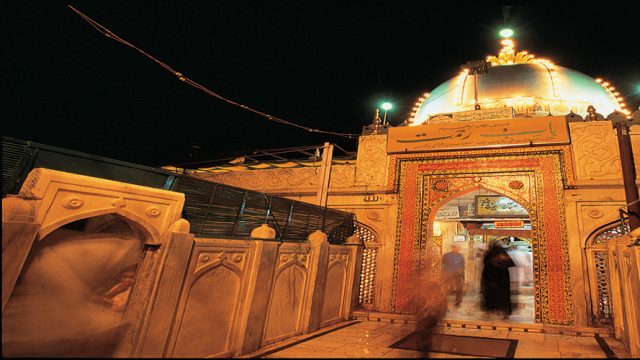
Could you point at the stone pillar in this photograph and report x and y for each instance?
(259, 291)
(18, 234)
(357, 249)
(625, 292)
(318, 262)
(167, 293)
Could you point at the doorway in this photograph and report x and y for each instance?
(472, 223)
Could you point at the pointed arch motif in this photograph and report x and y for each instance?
(64, 198)
(369, 269)
(598, 269)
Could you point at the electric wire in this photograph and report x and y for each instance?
(108, 33)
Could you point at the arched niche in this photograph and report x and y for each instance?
(75, 281)
(64, 198)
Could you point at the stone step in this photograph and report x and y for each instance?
(489, 325)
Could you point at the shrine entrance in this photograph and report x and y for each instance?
(534, 179)
(472, 223)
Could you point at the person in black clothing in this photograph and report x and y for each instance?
(495, 287)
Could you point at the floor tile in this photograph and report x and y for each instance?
(525, 353)
(370, 339)
(538, 345)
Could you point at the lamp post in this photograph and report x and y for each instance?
(385, 106)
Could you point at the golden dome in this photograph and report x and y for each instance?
(529, 85)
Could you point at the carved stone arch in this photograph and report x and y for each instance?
(467, 189)
(336, 261)
(367, 233)
(295, 262)
(222, 262)
(436, 249)
(611, 228)
(150, 234)
(64, 197)
(596, 258)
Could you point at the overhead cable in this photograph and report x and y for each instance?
(108, 33)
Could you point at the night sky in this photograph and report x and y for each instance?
(318, 65)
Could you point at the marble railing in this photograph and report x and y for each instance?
(236, 296)
(624, 270)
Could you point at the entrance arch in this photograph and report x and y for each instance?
(534, 177)
(472, 220)
(433, 210)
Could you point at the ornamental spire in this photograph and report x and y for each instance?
(508, 54)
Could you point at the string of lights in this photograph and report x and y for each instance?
(108, 33)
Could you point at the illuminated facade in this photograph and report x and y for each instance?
(211, 272)
(542, 136)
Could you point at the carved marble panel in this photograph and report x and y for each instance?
(292, 180)
(371, 168)
(288, 293)
(217, 275)
(594, 215)
(336, 280)
(595, 150)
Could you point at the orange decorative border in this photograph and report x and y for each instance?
(543, 176)
(567, 168)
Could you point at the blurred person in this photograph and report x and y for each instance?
(453, 272)
(495, 286)
(430, 304)
(65, 303)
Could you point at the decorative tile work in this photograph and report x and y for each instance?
(540, 174)
(564, 152)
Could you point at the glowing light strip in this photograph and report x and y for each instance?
(508, 55)
(615, 96)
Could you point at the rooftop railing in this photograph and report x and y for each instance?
(212, 209)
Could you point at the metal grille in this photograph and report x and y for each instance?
(213, 210)
(13, 154)
(599, 262)
(602, 283)
(368, 276)
(217, 210)
(610, 233)
(366, 295)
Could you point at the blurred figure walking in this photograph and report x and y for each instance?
(453, 272)
(430, 303)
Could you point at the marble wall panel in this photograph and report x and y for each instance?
(286, 306)
(212, 299)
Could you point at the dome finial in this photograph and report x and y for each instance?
(376, 123)
(508, 53)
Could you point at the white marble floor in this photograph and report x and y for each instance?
(470, 309)
(372, 339)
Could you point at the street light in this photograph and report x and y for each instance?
(385, 106)
(506, 33)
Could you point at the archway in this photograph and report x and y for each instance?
(72, 293)
(469, 224)
(535, 178)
